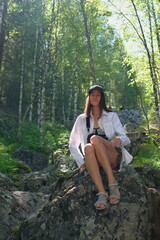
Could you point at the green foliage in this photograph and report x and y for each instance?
(10, 166)
(149, 154)
(55, 144)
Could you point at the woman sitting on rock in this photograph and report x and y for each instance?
(97, 140)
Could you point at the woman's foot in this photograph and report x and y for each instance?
(102, 200)
(114, 197)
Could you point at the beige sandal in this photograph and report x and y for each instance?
(101, 200)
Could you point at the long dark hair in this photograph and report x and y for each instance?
(102, 106)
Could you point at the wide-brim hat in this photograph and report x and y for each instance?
(96, 87)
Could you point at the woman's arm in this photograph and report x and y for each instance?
(75, 140)
(119, 130)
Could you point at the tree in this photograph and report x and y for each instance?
(88, 43)
(3, 14)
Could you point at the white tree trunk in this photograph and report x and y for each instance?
(63, 97)
(54, 72)
(76, 87)
(88, 43)
(110, 92)
(150, 66)
(21, 91)
(33, 77)
(156, 26)
(40, 75)
(42, 110)
(155, 79)
(70, 92)
(1, 15)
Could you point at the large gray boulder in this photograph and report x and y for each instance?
(16, 206)
(34, 160)
(49, 209)
(70, 212)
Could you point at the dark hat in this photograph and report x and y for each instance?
(96, 87)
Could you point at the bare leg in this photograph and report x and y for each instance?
(93, 169)
(106, 156)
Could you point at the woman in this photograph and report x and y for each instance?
(99, 142)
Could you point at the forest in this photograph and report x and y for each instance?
(52, 51)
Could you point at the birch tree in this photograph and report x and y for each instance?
(33, 76)
(3, 14)
(71, 91)
(62, 85)
(55, 69)
(151, 65)
(40, 64)
(150, 54)
(76, 87)
(156, 26)
(42, 106)
(88, 43)
(21, 89)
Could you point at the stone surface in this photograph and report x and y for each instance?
(65, 210)
(5, 182)
(131, 120)
(34, 160)
(134, 116)
(16, 206)
(38, 181)
(70, 212)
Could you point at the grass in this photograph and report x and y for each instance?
(149, 155)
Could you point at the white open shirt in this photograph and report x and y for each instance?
(109, 123)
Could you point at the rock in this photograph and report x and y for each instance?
(70, 212)
(15, 206)
(137, 138)
(134, 116)
(34, 160)
(131, 120)
(6, 182)
(38, 181)
(65, 163)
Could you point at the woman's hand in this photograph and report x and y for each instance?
(82, 168)
(116, 142)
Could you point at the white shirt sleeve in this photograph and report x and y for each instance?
(120, 130)
(75, 140)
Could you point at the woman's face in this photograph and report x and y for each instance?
(95, 97)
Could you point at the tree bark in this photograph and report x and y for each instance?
(3, 14)
(88, 43)
(76, 88)
(42, 110)
(40, 71)
(54, 71)
(21, 90)
(33, 77)
(62, 84)
(110, 93)
(156, 26)
(70, 91)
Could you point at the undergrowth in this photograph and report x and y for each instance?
(55, 143)
(149, 155)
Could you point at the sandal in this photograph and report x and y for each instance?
(113, 194)
(101, 200)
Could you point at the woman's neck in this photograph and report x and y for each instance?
(95, 111)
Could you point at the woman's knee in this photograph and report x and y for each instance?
(88, 149)
(95, 139)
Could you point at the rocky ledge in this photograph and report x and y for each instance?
(66, 209)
